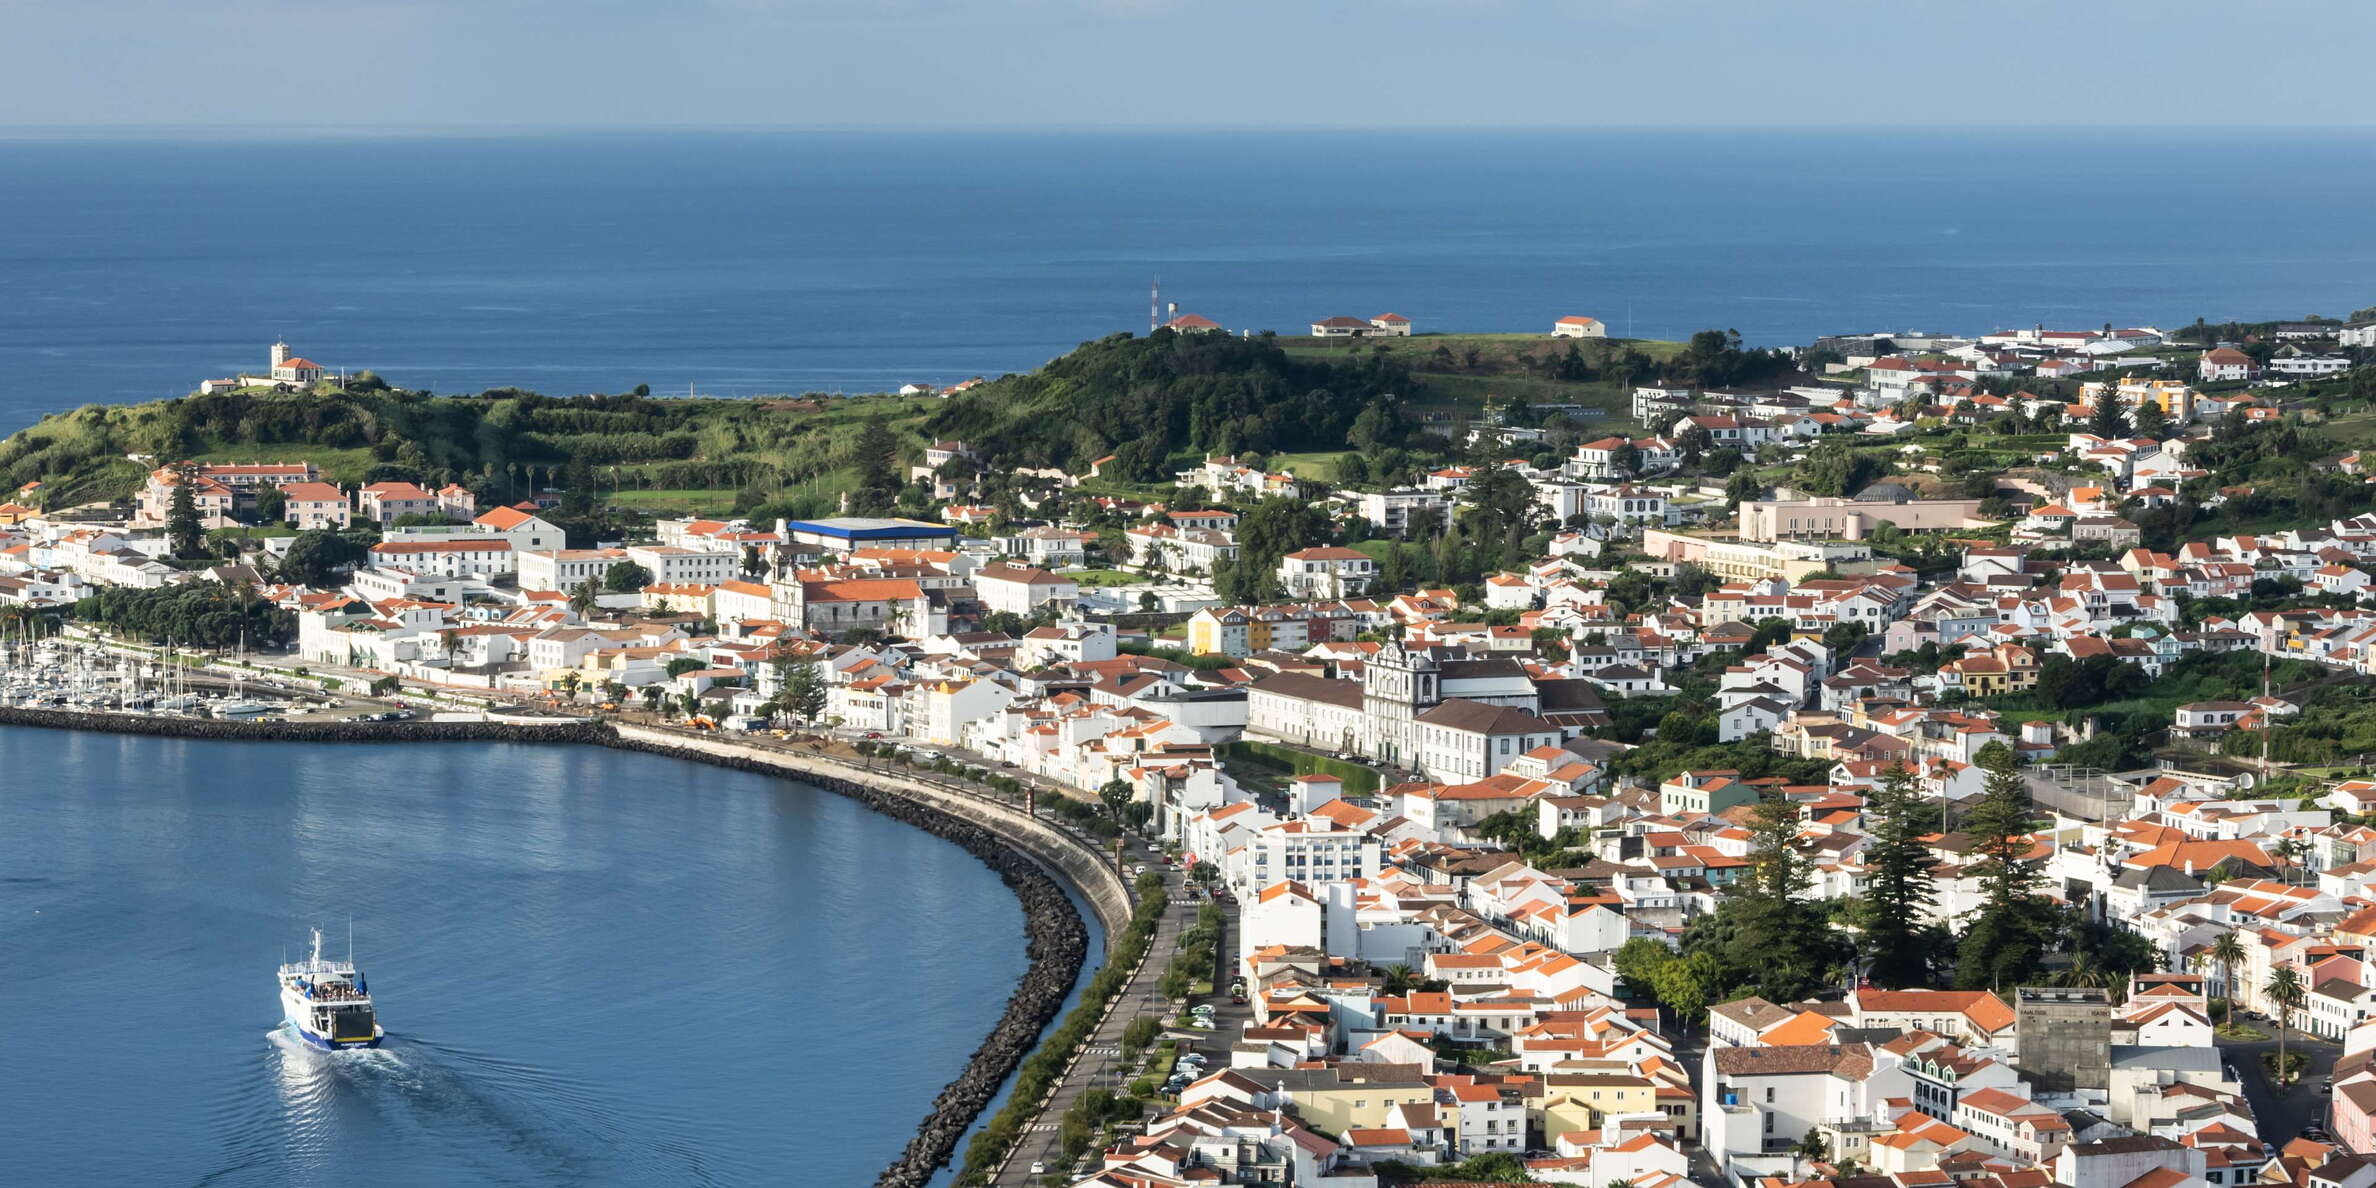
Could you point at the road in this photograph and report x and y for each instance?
(2282, 1114)
(1097, 1064)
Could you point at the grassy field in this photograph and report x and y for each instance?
(1500, 368)
(678, 502)
(337, 465)
(1321, 466)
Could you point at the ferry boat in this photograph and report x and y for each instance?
(328, 1002)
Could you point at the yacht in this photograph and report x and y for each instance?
(240, 708)
(328, 1002)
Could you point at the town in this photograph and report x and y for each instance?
(1924, 760)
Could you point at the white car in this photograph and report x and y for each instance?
(1039, 1168)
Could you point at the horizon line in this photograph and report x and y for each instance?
(374, 131)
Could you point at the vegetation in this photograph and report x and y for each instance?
(2009, 936)
(194, 614)
(769, 457)
(1899, 945)
(1041, 1069)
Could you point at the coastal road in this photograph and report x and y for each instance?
(1097, 1063)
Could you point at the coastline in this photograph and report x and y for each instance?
(1056, 939)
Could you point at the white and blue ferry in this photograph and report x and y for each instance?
(328, 1002)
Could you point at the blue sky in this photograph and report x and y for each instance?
(256, 64)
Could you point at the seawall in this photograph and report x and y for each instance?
(1029, 854)
(1089, 871)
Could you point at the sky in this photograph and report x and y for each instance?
(259, 65)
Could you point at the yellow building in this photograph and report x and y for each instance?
(1362, 1104)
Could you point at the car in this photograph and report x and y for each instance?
(874, 734)
(1039, 1167)
(1237, 1000)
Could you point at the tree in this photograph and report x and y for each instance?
(1115, 794)
(182, 526)
(2151, 420)
(271, 505)
(875, 456)
(1898, 885)
(803, 690)
(2007, 938)
(319, 557)
(1276, 526)
(2226, 952)
(625, 577)
(585, 597)
(2106, 418)
(2285, 994)
(569, 685)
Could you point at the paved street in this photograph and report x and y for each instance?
(1096, 1064)
(2282, 1115)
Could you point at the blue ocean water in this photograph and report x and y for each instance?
(737, 263)
(594, 967)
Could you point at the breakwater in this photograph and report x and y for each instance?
(1028, 855)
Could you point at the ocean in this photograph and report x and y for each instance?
(594, 967)
(770, 262)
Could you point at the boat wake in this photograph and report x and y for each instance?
(496, 1120)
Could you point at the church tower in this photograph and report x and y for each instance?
(1397, 685)
(280, 353)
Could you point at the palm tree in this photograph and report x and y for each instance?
(2285, 993)
(569, 685)
(2227, 953)
(2289, 856)
(1399, 978)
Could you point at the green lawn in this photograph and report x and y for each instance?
(1094, 578)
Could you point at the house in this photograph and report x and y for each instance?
(1344, 327)
(2222, 364)
(1326, 573)
(1463, 739)
(381, 503)
(1019, 590)
(314, 505)
(1391, 325)
(1578, 326)
(1193, 324)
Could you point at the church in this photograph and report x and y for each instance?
(286, 371)
(1434, 711)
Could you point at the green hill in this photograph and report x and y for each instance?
(661, 454)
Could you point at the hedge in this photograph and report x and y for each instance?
(1040, 1071)
(1359, 780)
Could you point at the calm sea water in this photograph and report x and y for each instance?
(594, 967)
(772, 262)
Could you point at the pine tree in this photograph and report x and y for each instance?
(1897, 885)
(2108, 419)
(804, 691)
(182, 527)
(2008, 936)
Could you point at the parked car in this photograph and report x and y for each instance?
(1039, 1167)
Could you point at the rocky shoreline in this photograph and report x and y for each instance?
(1056, 939)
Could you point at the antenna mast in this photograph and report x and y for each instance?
(1155, 305)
